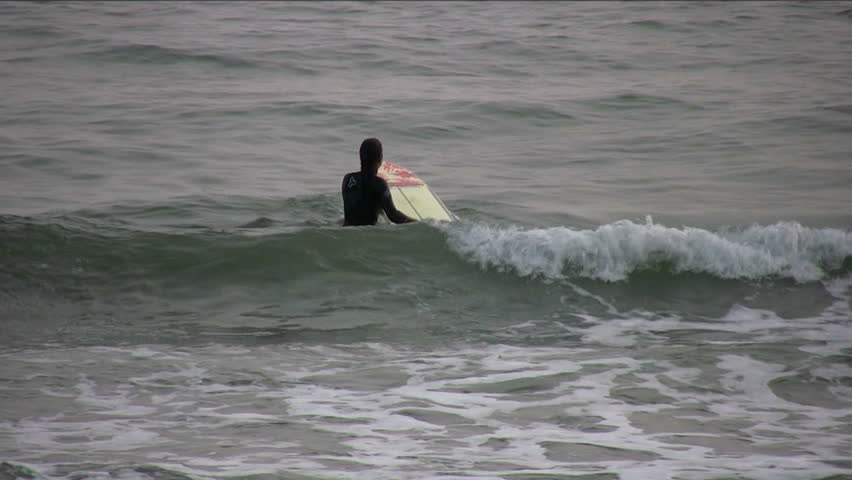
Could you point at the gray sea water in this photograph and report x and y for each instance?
(651, 277)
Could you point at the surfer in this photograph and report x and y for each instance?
(365, 193)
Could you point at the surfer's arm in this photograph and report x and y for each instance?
(393, 214)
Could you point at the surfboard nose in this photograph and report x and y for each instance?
(412, 196)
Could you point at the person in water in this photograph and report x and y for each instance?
(365, 193)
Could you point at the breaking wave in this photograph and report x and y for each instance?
(612, 252)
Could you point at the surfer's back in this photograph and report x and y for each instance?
(361, 198)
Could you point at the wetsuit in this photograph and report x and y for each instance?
(363, 197)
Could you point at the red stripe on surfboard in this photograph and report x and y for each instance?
(397, 176)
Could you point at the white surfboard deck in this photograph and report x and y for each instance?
(412, 196)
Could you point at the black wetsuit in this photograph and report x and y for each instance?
(364, 196)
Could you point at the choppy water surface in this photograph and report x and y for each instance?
(651, 278)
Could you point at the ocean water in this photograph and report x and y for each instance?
(651, 277)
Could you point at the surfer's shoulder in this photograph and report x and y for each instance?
(350, 180)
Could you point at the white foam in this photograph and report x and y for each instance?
(610, 307)
(751, 377)
(103, 435)
(116, 402)
(612, 252)
(301, 425)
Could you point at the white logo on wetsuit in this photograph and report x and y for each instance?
(351, 183)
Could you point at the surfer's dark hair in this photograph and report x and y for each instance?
(371, 152)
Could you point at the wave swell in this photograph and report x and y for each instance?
(94, 252)
(155, 54)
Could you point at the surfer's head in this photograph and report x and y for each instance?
(371, 155)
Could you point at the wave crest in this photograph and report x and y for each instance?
(612, 252)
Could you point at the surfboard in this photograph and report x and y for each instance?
(412, 196)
